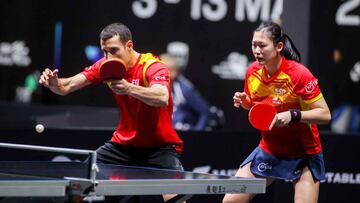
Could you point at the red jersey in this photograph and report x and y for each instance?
(142, 125)
(291, 87)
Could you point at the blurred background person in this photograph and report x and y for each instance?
(346, 108)
(191, 111)
(180, 51)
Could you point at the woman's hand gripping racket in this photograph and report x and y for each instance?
(112, 69)
(262, 116)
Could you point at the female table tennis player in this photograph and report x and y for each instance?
(291, 150)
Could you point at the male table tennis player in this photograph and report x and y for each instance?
(144, 136)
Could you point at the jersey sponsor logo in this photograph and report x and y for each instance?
(263, 167)
(280, 91)
(310, 87)
(160, 78)
(276, 100)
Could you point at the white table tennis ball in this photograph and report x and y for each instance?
(39, 128)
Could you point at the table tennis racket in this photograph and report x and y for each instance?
(261, 116)
(112, 69)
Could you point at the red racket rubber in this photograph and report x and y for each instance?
(112, 69)
(261, 116)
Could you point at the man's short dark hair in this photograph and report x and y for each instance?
(116, 29)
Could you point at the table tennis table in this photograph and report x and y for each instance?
(91, 179)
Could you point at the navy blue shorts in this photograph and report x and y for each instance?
(267, 165)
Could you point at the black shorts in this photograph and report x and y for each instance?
(163, 157)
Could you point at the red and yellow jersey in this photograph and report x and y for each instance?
(291, 87)
(142, 125)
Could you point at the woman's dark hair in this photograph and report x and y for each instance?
(116, 29)
(277, 35)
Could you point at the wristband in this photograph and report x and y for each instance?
(295, 115)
